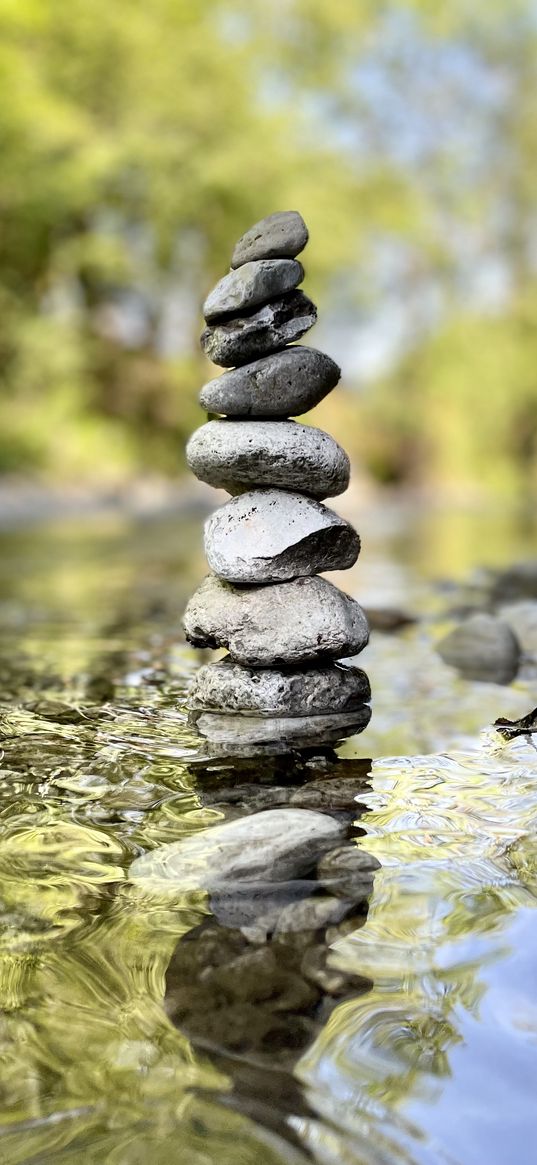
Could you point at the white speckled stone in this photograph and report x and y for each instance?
(271, 536)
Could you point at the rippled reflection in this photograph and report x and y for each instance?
(204, 1028)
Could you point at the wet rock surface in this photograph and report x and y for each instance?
(521, 617)
(226, 687)
(286, 383)
(285, 731)
(281, 234)
(483, 647)
(239, 455)
(264, 330)
(269, 536)
(291, 623)
(251, 285)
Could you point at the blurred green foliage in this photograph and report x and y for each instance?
(139, 140)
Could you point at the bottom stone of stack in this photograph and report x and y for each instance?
(307, 691)
(236, 731)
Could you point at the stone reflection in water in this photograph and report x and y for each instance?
(241, 735)
(253, 984)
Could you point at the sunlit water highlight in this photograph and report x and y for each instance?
(431, 1056)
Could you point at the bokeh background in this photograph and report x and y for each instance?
(139, 139)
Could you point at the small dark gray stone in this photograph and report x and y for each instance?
(228, 687)
(237, 732)
(264, 330)
(284, 384)
(271, 536)
(282, 234)
(289, 623)
(275, 845)
(251, 285)
(482, 648)
(239, 455)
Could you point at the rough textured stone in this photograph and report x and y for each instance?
(251, 285)
(482, 648)
(239, 455)
(282, 234)
(228, 687)
(284, 384)
(522, 619)
(263, 330)
(276, 845)
(291, 623)
(271, 536)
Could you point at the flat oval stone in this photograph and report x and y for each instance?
(268, 535)
(275, 845)
(289, 623)
(283, 233)
(284, 384)
(237, 455)
(263, 330)
(312, 691)
(250, 285)
(482, 648)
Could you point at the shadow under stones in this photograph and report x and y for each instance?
(254, 983)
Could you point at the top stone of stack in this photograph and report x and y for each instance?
(278, 236)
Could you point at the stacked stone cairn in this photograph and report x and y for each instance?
(285, 627)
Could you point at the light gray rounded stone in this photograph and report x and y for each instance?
(238, 455)
(271, 536)
(250, 285)
(284, 384)
(482, 648)
(288, 623)
(234, 734)
(263, 330)
(314, 691)
(283, 233)
(522, 619)
(275, 845)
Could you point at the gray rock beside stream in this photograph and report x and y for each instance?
(283, 384)
(265, 330)
(297, 622)
(228, 687)
(482, 648)
(269, 536)
(239, 455)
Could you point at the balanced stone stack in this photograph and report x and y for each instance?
(285, 628)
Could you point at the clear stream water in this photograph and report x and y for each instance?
(139, 1031)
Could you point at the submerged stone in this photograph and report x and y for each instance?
(274, 845)
(285, 383)
(239, 455)
(252, 284)
(232, 732)
(482, 648)
(264, 330)
(282, 234)
(228, 687)
(270, 536)
(292, 623)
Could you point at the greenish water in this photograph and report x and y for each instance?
(137, 1031)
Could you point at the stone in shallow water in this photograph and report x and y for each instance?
(234, 732)
(292, 623)
(238, 455)
(251, 285)
(283, 233)
(228, 687)
(482, 648)
(286, 383)
(271, 536)
(522, 619)
(276, 845)
(264, 330)
(348, 872)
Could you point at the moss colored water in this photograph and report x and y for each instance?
(135, 1030)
